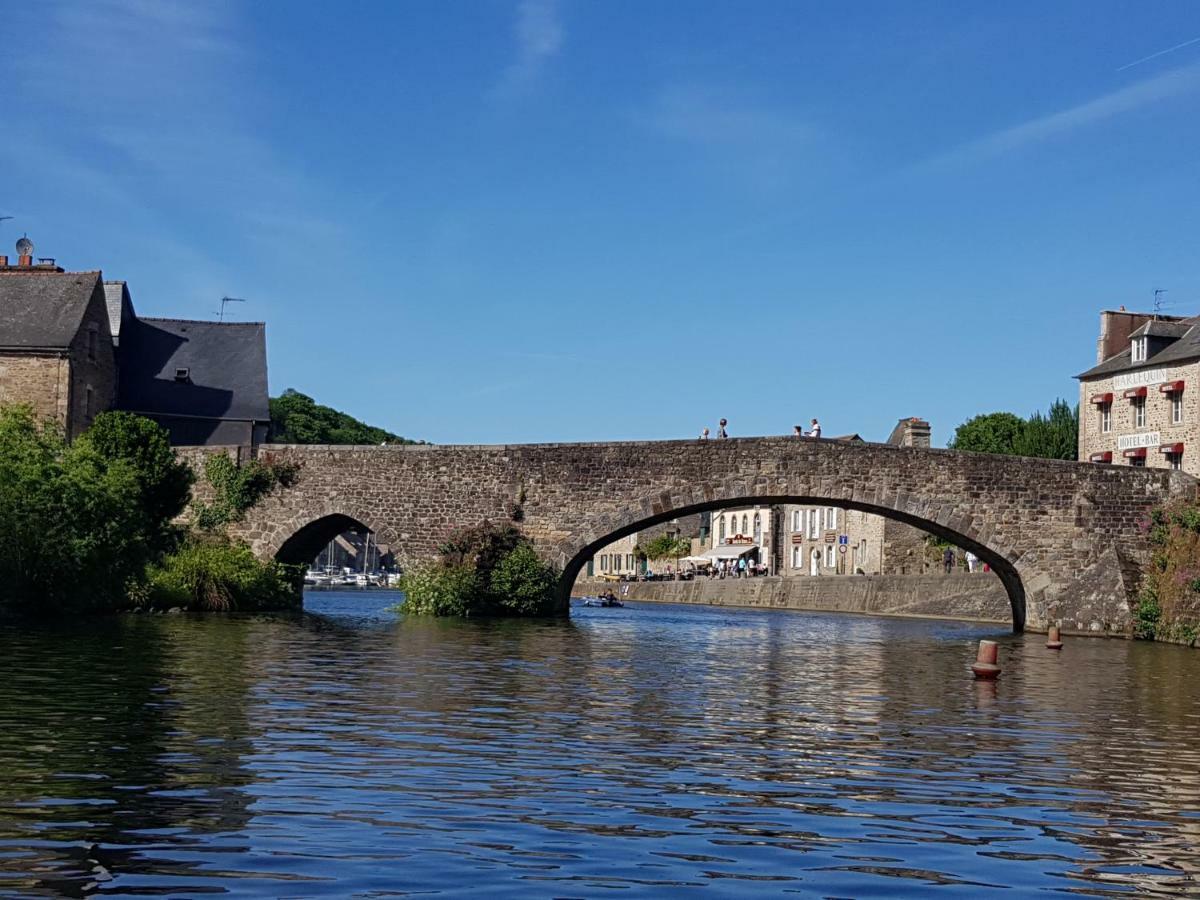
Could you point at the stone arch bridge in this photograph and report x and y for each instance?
(1064, 537)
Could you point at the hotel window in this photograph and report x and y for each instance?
(1175, 461)
(1139, 349)
(797, 561)
(797, 520)
(1139, 461)
(830, 559)
(1176, 408)
(1105, 418)
(1139, 412)
(603, 562)
(757, 528)
(831, 517)
(813, 525)
(745, 525)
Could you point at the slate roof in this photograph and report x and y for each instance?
(226, 363)
(1185, 348)
(1159, 328)
(120, 307)
(43, 310)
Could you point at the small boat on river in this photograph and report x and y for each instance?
(603, 600)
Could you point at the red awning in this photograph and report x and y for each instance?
(1134, 392)
(1171, 448)
(1134, 453)
(1105, 457)
(1171, 387)
(1102, 398)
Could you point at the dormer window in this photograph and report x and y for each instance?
(183, 374)
(1139, 349)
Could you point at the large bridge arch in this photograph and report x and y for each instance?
(573, 555)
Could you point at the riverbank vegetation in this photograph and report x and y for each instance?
(298, 419)
(488, 570)
(93, 525)
(1054, 435)
(1169, 605)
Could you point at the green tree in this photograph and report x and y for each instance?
(989, 433)
(298, 419)
(1054, 435)
(1051, 436)
(164, 482)
(666, 546)
(72, 529)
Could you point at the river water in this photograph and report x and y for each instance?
(629, 752)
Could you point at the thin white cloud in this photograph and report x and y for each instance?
(1145, 59)
(1177, 82)
(764, 145)
(539, 35)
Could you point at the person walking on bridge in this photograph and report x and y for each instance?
(815, 430)
(948, 559)
(721, 433)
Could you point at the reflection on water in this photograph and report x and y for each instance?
(650, 748)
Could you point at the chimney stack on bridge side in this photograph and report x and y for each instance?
(911, 432)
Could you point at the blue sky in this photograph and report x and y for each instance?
(525, 221)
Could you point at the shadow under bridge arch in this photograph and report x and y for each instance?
(611, 529)
(303, 544)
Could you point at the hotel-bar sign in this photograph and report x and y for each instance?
(1133, 441)
(1144, 378)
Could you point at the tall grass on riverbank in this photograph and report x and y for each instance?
(1169, 605)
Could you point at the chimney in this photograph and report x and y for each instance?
(3, 262)
(911, 432)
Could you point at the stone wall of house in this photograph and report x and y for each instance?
(1093, 439)
(93, 366)
(977, 597)
(1061, 535)
(40, 381)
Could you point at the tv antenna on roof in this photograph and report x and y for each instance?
(1158, 304)
(224, 300)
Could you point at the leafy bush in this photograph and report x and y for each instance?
(523, 585)
(433, 589)
(219, 575)
(486, 570)
(74, 529)
(238, 488)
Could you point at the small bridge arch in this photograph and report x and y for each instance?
(299, 539)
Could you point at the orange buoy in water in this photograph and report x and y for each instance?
(985, 661)
(1054, 638)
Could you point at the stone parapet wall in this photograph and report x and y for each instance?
(1062, 536)
(979, 597)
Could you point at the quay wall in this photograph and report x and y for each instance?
(980, 596)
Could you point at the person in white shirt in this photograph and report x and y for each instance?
(971, 560)
(815, 431)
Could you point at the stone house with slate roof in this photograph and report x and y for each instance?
(72, 345)
(1140, 404)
